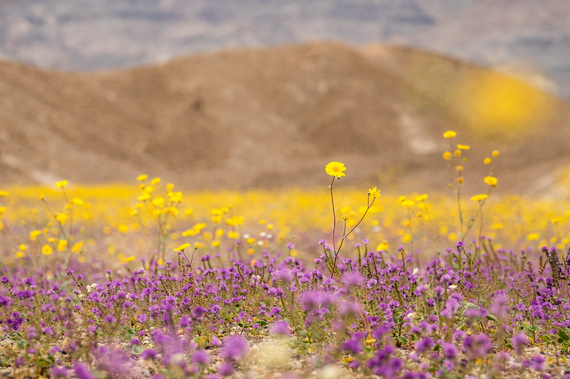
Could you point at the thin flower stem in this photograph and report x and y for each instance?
(337, 252)
(334, 215)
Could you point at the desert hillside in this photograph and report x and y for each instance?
(274, 117)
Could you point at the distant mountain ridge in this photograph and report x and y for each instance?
(268, 117)
(517, 35)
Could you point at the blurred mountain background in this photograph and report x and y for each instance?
(527, 37)
(239, 93)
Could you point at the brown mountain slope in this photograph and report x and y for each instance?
(265, 118)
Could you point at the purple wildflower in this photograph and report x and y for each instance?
(148, 354)
(424, 345)
(538, 362)
(59, 372)
(500, 305)
(353, 279)
(226, 369)
(235, 347)
(451, 306)
(109, 319)
(284, 275)
(281, 328)
(449, 350)
(215, 341)
(200, 358)
(352, 345)
(82, 372)
(310, 299)
(519, 341)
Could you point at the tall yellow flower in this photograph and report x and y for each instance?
(491, 180)
(61, 183)
(182, 247)
(335, 169)
(479, 197)
(449, 134)
(374, 192)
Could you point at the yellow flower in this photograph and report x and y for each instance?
(34, 234)
(233, 235)
(124, 259)
(457, 153)
(463, 147)
(62, 245)
(487, 160)
(407, 203)
(495, 153)
(446, 155)
(77, 246)
(61, 183)
(182, 247)
(23, 247)
(422, 197)
(4, 193)
(61, 217)
(345, 217)
(374, 192)
(369, 340)
(76, 201)
(383, 246)
(480, 197)
(335, 169)
(158, 202)
(142, 178)
(123, 228)
(533, 236)
(215, 243)
(143, 197)
(491, 180)
(449, 134)
(47, 250)
(155, 181)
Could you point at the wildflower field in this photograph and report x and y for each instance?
(146, 281)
